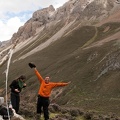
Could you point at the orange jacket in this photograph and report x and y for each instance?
(45, 89)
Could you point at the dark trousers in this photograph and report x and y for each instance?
(15, 101)
(43, 102)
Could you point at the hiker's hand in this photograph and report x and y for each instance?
(24, 85)
(69, 82)
(16, 90)
(31, 65)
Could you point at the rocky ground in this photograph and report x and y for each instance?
(64, 113)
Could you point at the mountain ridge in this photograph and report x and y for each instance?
(80, 46)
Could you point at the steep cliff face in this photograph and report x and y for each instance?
(82, 10)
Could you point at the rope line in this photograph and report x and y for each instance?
(10, 53)
(8, 65)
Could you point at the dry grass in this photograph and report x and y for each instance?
(65, 60)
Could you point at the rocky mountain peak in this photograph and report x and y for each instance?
(43, 14)
(71, 10)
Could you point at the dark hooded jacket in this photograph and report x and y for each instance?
(17, 84)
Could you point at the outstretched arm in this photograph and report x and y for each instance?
(38, 75)
(61, 84)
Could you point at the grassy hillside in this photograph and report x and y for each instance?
(93, 72)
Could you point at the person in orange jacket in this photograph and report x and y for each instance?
(44, 93)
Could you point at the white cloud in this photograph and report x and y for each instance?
(14, 13)
(7, 29)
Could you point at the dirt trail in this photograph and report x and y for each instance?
(108, 39)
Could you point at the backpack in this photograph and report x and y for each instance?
(4, 112)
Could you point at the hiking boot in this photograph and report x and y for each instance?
(38, 117)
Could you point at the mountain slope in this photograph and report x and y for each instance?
(76, 48)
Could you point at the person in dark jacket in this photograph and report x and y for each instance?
(16, 87)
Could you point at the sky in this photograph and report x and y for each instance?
(14, 13)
